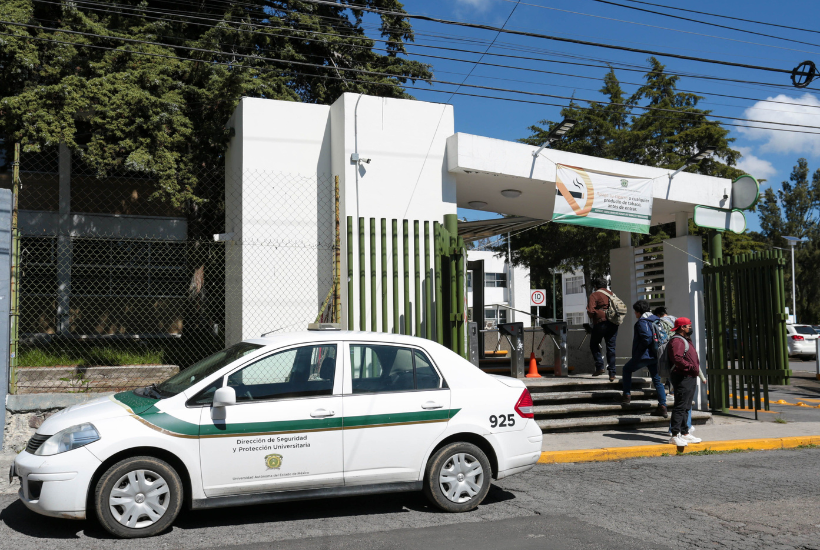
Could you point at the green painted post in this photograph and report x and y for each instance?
(374, 310)
(453, 296)
(439, 292)
(384, 275)
(742, 325)
(349, 273)
(782, 284)
(362, 290)
(408, 316)
(716, 256)
(461, 283)
(730, 322)
(417, 274)
(778, 312)
(428, 286)
(395, 276)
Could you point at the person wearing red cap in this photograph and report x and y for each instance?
(685, 369)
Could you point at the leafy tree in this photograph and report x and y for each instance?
(625, 129)
(794, 210)
(147, 108)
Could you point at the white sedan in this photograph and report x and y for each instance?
(294, 416)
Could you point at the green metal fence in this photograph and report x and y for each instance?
(746, 329)
(430, 306)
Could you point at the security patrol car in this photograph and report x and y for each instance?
(294, 416)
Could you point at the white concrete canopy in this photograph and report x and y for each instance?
(484, 166)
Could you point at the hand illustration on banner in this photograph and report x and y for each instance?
(610, 201)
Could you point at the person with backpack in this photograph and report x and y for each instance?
(606, 312)
(685, 371)
(646, 339)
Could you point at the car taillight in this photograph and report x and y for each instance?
(797, 337)
(524, 407)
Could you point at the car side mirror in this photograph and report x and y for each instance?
(224, 396)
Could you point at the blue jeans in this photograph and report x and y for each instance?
(636, 364)
(607, 332)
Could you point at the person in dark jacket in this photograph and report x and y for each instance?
(602, 329)
(644, 354)
(685, 369)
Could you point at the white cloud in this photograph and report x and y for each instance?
(478, 5)
(755, 166)
(804, 110)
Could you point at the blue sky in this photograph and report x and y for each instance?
(767, 154)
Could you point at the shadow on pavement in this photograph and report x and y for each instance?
(17, 517)
(651, 438)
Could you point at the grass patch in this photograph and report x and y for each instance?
(809, 446)
(88, 357)
(780, 420)
(706, 452)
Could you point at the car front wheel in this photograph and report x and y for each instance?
(138, 497)
(457, 477)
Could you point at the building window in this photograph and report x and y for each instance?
(495, 316)
(575, 285)
(469, 280)
(575, 318)
(495, 280)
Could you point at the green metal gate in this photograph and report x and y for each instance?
(746, 329)
(432, 306)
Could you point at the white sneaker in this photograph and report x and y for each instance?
(691, 430)
(690, 438)
(679, 441)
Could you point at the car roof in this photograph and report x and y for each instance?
(308, 336)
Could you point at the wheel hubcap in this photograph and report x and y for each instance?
(139, 499)
(461, 477)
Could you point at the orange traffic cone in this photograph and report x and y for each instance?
(533, 367)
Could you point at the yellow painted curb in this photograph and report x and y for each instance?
(621, 453)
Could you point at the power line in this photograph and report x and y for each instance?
(370, 82)
(622, 66)
(556, 38)
(725, 16)
(480, 59)
(681, 30)
(390, 75)
(705, 23)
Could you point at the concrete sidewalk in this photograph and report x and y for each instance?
(721, 429)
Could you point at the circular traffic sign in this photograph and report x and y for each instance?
(745, 192)
(538, 297)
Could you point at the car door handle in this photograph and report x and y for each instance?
(431, 405)
(322, 413)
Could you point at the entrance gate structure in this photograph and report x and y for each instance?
(746, 329)
(432, 306)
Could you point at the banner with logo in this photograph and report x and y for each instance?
(598, 199)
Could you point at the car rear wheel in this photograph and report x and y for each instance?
(138, 497)
(457, 477)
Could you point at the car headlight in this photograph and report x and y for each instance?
(68, 439)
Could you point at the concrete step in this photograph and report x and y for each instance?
(580, 383)
(589, 423)
(593, 409)
(589, 396)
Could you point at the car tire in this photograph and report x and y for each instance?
(457, 477)
(138, 497)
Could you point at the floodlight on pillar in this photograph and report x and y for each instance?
(697, 157)
(792, 243)
(557, 133)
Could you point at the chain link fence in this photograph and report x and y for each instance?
(118, 288)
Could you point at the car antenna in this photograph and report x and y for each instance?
(271, 332)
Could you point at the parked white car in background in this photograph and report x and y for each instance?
(802, 341)
(302, 415)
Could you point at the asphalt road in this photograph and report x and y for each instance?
(743, 500)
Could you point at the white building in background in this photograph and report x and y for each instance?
(575, 298)
(498, 292)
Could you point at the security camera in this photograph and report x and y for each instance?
(357, 159)
(725, 195)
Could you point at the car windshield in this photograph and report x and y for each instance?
(805, 330)
(198, 371)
